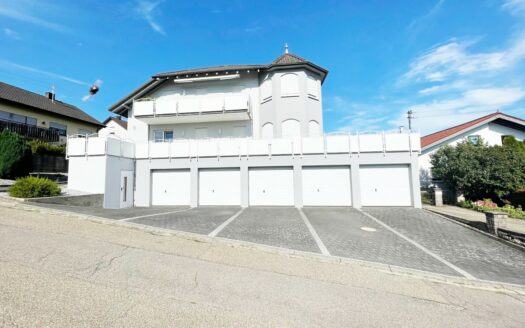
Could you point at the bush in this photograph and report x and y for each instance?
(15, 156)
(31, 187)
(44, 148)
(479, 171)
(487, 205)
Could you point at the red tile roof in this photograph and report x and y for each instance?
(443, 134)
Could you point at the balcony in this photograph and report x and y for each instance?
(31, 131)
(193, 109)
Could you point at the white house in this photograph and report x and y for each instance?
(491, 128)
(114, 126)
(242, 135)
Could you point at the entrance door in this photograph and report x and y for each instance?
(126, 189)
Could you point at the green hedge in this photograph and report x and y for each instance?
(44, 148)
(15, 155)
(31, 187)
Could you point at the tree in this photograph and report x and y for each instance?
(479, 171)
(15, 156)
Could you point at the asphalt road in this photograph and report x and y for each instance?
(62, 271)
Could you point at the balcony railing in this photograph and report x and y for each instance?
(31, 131)
(190, 105)
(246, 147)
(93, 145)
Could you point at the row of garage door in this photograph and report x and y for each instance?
(381, 185)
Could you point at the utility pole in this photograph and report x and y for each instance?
(410, 117)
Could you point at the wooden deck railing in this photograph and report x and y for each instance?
(30, 131)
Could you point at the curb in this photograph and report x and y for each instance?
(387, 268)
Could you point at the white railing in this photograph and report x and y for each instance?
(336, 144)
(354, 144)
(94, 145)
(190, 105)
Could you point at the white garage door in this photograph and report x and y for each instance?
(385, 185)
(326, 186)
(219, 187)
(170, 187)
(271, 186)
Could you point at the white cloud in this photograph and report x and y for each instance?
(147, 10)
(11, 34)
(439, 114)
(21, 11)
(516, 7)
(7, 65)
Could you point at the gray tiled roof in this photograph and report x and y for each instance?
(42, 103)
(287, 59)
(282, 62)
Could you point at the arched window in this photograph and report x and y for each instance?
(266, 89)
(290, 129)
(313, 129)
(267, 131)
(312, 86)
(289, 84)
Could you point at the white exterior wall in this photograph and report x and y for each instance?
(238, 129)
(113, 128)
(491, 133)
(302, 103)
(87, 174)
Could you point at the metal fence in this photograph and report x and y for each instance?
(30, 131)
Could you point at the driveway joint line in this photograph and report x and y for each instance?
(314, 234)
(150, 215)
(421, 247)
(223, 225)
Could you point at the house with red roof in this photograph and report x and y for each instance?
(492, 128)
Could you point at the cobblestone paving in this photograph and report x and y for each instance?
(201, 220)
(481, 256)
(340, 230)
(274, 226)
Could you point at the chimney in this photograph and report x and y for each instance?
(50, 96)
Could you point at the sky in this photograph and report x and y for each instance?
(448, 61)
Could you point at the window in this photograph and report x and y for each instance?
(10, 117)
(291, 129)
(158, 136)
(267, 131)
(313, 129)
(61, 128)
(84, 132)
(473, 139)
(168, 135)
(289, 84)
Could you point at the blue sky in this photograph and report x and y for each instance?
(449, 61)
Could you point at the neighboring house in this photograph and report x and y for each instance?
(42, 116)
(242, 135)
(114, 126)
(491, 128)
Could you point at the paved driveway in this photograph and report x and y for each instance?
(403, 237)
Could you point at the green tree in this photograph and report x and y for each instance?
(479, 171)
(15, 156)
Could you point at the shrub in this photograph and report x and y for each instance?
(487, 205)
(479, 171)
(15, 156)
(44, 148)
(31, 187)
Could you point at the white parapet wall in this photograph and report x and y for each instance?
(97, 164)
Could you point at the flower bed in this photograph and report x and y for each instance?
(488, 205)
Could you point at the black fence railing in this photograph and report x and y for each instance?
(31, 131)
